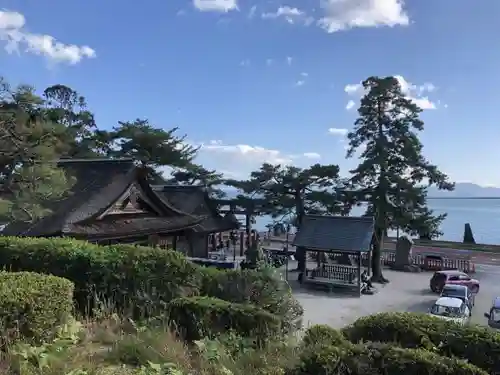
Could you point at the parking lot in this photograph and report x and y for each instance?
(405, 292)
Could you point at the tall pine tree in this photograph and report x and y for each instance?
(393, 175)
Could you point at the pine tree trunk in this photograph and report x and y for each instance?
(377, 277)
(300, 252)
(300, 255)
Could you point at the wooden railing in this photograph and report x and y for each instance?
(335, 273)
(425, 262)
(432, 263)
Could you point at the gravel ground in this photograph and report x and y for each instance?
(405, 292)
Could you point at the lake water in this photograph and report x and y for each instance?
(482, 214)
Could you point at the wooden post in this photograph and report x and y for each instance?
(303, 269)
(359, 273)
(248, 225)
(242, 242)
(369, 266)
(153, 240)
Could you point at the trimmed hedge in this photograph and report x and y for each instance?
(350, 359)
(121, 275)
(198, 317)
(480, 346)
(322, 334)
(147, 279)
(259, 287)
(32, 305)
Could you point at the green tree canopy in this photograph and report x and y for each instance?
(66, 107)
(393, 175)
(29, 141)
(153, 148)
(292, 191)
(288, 191)
(195, 174)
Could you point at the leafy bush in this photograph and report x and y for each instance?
(478, 345)
(322, 334)
(33, 305)
(259, 287)
(126, 275)
(143, 277)
(379, 359)
(198, 317)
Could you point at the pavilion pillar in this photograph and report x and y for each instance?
(359, 272)
(369, 270)
(242, 243)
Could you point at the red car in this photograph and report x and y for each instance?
(441, 278)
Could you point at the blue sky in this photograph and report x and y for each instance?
(257, 80)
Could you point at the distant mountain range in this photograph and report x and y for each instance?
(466, 190)
(462, 190)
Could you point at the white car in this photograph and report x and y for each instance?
(451, 309)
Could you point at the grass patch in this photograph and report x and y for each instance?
(120, 346)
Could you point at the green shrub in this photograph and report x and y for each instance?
(258, 287)
(379, 359)
(124, 275)
(322, 334)
(480, 346)
(33, 305)
(197, 317)
(146, 278)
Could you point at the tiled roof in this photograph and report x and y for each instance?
(342, 233)
(195, 201)
(119, 227)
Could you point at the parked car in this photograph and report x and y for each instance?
(451, 309)
(494, 314)
(441, 278)
(461, 292)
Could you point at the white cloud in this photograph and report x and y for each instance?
(238, 160)
(353, 88)
(347, 14)
(289, 60)
(252, 11)
(245, 62)
(417, 93)
(269, 62)
(350, 105)
(290, 15)
(338, 131)
(333, 15)
(302, 80)
(18, 39)
(311, 155)
(222, 6)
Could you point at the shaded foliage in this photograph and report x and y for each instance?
(194, 174)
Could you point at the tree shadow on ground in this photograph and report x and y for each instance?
(428, 292)
(420, 307)
(318, 291)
